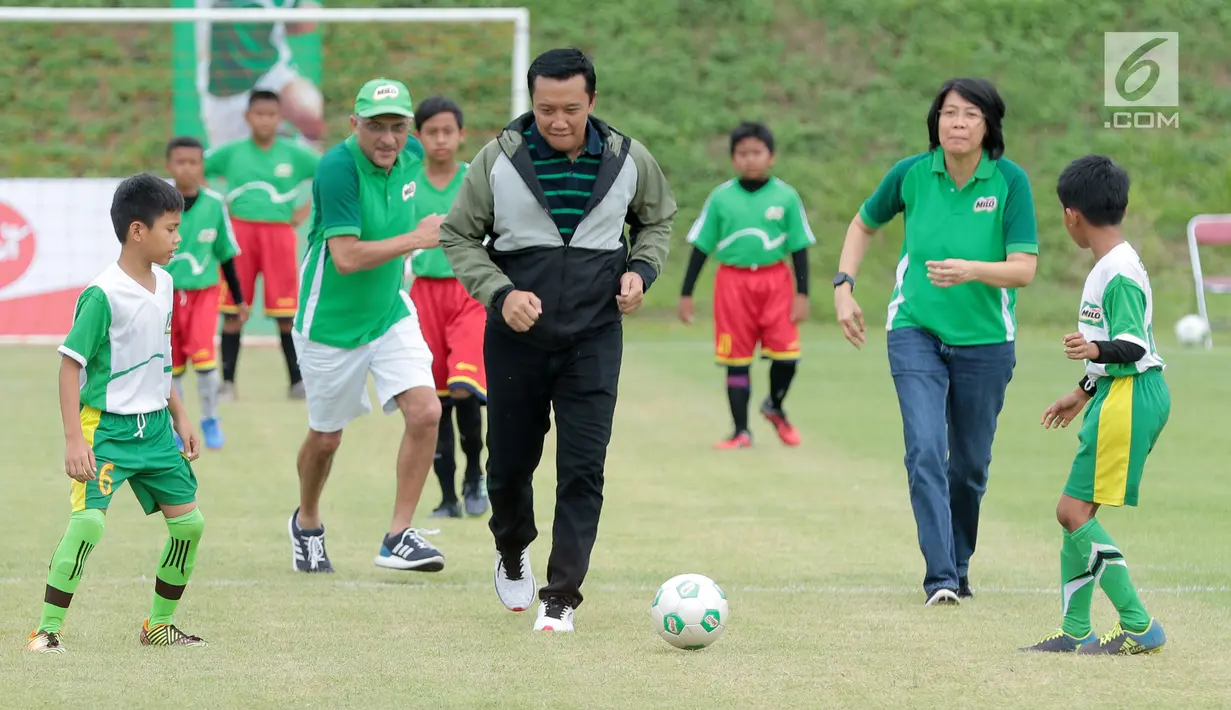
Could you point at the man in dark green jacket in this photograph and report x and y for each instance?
(537, 235)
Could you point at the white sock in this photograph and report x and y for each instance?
(208, 383)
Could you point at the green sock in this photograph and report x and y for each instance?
(1111, 572)
(85, 529)
(178, 558)
(1076, 588)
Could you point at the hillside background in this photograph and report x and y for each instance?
(845, 85)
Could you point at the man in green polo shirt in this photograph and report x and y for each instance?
(970, 243)
(354, 319)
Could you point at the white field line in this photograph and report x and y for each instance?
(853, 590)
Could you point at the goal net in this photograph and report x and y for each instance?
(92, 95)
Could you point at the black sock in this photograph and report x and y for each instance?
(739, 391)
(470, 433)
(781, 372)
(445, 464)
(230, 355)
(292, 362)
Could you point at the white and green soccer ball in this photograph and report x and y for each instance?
(689, 611)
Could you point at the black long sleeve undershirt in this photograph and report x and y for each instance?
(1111, 352)
(228, 272)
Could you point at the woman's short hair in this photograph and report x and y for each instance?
(982, 94)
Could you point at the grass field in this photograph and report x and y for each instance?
(815, 547)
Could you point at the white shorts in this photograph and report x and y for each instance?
(224, 115)
(335, 380)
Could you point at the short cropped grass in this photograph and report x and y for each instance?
(815, 547)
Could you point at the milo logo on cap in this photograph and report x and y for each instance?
(387, 91)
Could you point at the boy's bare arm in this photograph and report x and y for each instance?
(79, 461)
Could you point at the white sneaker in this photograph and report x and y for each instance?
(943, 597)
(554, 615)
(515, 581)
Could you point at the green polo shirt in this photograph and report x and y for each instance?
(353, 197)
(990, 217)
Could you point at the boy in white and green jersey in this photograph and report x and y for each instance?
(452, 321)
(207, 247)
(121, 414)
(750, 226)
(1126, 403)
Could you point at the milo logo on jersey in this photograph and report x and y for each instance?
(1090, 314)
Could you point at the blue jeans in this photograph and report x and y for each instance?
(950, 397)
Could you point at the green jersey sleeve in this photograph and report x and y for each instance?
(216, 161)
(305, 162)
(336, 194)
(705, 232)
(225, 245)
(886, 202)
(799, 232)
(91, 323)
(1124, 308)
(1021, 231)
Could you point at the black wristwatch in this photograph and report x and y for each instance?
(844, 278)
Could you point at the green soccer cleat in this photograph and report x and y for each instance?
(45, 642)
(167, 635)
(1122, 642)
(1060, 642)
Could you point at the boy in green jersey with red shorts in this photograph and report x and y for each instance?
(452, 321)
(207, 246)
(1126, 405)
(121, 415)
(750, 225)
(263, 174)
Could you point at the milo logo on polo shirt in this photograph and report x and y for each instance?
(1090, 313)
(985, 204)
(408, 190)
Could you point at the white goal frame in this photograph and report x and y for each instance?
(519, 101)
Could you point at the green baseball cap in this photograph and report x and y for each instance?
(383, 96)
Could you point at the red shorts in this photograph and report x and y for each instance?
(271, 250)
(751, 306)
(453, 324)
(194, 321)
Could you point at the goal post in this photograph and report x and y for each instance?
(92, 95)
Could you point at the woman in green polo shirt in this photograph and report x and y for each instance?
(970, 243)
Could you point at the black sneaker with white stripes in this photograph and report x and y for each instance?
(408, 550)
(307, 547)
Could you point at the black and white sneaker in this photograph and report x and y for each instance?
(515, 580)
(943, 597)
(408, 550)
(307, 547)
(555, 614)
(474, 493)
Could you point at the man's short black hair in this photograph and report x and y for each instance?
(1097, 187)
(752, 129)
(434, 106)
(144, 197)
(984, 96)
(263, 95)
(561, 64)
(183, 142)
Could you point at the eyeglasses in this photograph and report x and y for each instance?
(400, 128)
(971, 115)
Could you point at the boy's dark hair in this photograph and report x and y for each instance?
(983, 95)
(561, 64)
(434, 106)
(752, 129)
(183, 142)
(1097, 187)
(143, 197)
(263, 95)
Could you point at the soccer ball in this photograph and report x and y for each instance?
(689, 611)
(1191, 330)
